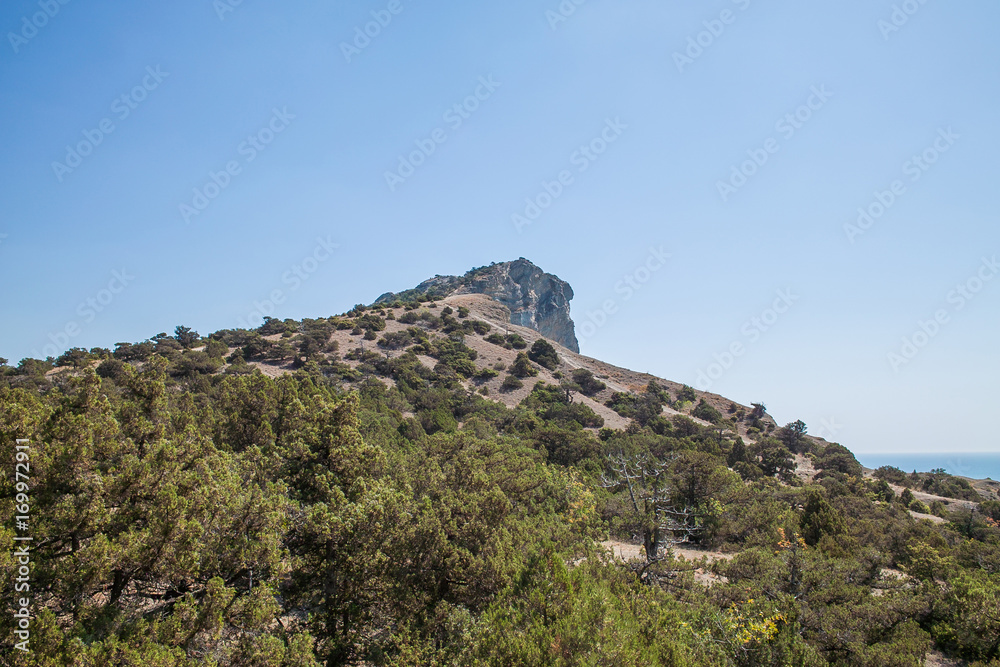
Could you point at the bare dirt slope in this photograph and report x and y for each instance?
(617, 379)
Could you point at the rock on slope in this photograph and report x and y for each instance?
(536, 299)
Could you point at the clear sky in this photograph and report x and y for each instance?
(213, 154)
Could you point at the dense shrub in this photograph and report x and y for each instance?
(587, 383)
(707, 412)
(511, 383)
(396, 340)
(543, 354)
(522, 367)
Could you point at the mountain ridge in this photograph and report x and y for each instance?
(536, 299)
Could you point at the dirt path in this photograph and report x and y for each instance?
(628, 551)
(625, 551)
(929, 498)
(936, 658)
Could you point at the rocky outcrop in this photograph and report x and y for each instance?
(536, 299)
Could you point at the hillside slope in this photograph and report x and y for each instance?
(423, 482)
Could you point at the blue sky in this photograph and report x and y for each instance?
(308, 130)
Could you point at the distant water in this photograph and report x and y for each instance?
(974, 465)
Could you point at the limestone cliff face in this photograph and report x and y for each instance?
(536, 299)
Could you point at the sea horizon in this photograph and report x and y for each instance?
(975, 465)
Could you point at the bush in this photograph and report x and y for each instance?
(588, 384)
(938, 508)
(511, 383)
(708, 413)
(748, 471)
(486, 374)
(893, 475)
(793, 435)
(216, 348)
(111, 368)
(516, 341)
(185, 336)
(522, 367)
(191, 364)
(137, 352)
(371, 322)
(76, 357)
(838, 459)
(273, 326)
(439, 419)
(396, 340)
(478, 326)
(543, 354)
(819, 518)
(574, 412)
(687, 394)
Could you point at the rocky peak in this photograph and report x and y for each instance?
(536, 299)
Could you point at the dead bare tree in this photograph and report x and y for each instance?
(664, 524)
